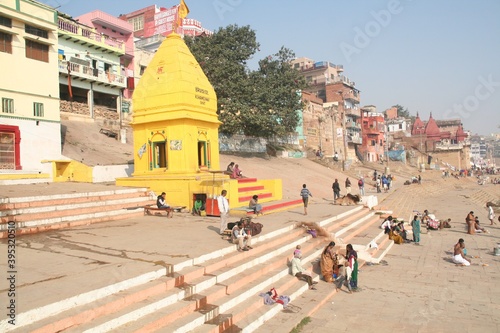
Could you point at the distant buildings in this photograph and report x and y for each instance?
(152, 24)
(94, 64)
(339, 120)
(374, 134)
(85, 65)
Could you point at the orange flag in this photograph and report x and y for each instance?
(183, 11)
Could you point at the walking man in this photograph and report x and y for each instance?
(305, 194)
(223, 209)
(361, 185)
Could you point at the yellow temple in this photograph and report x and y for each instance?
(175, 131)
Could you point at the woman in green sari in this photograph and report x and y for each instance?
(352, 264)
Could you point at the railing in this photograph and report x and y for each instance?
(76, 29)
(353, 112)
(149, 40)
(354, 139)
(91, 73)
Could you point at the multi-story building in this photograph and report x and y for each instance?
(112, 28)
(29, 90)
(446, 143)
(90, 70)
(311, 133)
(341, 100)
(317, 74)
(152, 24)
(373, 131)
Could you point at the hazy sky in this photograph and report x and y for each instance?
(439, 56)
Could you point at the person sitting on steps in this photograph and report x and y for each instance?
(240, 237)
(300, 272)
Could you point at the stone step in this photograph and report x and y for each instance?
(10, 203)
(47, 214)
(73, 221)
(266, 240)
(247, 308)
(204, 306)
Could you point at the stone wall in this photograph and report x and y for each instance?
(241, 144)
(83, 109)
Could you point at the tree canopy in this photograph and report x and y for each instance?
(261, 103)
(402, 111)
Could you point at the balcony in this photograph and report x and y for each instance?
(353, 125)
(145, 42)
(92, 74)
(70, 30)
(353, 112)
(354, 139)
(344, 79)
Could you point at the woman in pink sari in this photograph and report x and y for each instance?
(237, 172)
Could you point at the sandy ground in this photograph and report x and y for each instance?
(83, 142)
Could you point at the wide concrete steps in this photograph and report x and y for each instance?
(219, 291)
(50, 212)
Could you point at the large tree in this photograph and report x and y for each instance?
(259, 103)
(278, 94)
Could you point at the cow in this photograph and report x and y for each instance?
(348, 200)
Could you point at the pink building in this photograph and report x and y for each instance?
(115, 28)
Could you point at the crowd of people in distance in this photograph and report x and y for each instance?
(382, 182)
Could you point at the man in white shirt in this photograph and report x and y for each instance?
(240, 237)
(386, 225)
(224, 210)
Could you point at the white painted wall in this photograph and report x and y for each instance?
(108, 173)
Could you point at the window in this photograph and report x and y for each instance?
(7, 105)
(29, 29)
(6, 21)
(160, 154)
(137, 22)
(141, 72)
(5, 43)
(37, 51)
(38, 109)
(7, 151)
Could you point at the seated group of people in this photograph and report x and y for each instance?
(473, 225)
(339, 268)
(395, 230)
(233, 170)
(432, 223)
(242, 232)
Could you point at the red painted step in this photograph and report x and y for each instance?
(247, 180)
(281, 205)
(251, 188)
(261, 196)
